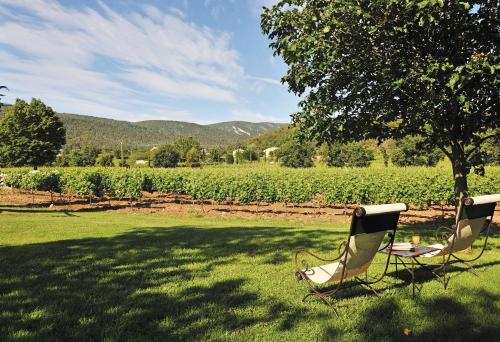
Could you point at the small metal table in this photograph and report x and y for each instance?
(409, 255)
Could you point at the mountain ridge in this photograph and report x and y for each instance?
(88, 130)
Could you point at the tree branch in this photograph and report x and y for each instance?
(478, 145)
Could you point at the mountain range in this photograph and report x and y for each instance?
(83, 130)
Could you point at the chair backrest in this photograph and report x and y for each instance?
(473, 214)
(369, 226)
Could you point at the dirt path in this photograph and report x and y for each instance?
(184, 206)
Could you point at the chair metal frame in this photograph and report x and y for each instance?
(465, 203)
(327, 296)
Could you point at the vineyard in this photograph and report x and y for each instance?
(417, 186)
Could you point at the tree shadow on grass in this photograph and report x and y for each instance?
(147, 284)
(159, 284)
(441, 317)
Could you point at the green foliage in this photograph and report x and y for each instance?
(105, 159)
(187, 145)
(142, 156)
(215, 155)
(229, 158)
(83, 182)
(165, 156)
(104, 133)
(126, 185)
(193, 155)
(418, 186)
(388, 69)
(1, 95)
(410, 151)
(250, 155)
(30, 134)
(238, 156)
(491, 150)
(276, 137)
(349, 155)
(385, 155)
(86, 156)
(296, 154)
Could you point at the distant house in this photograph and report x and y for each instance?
(238, 152)
(268, 152)
(141, 162)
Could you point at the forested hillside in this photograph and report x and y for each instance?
(82, 130)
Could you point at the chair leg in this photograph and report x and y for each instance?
(324, 298)
(369, 287)
(470, 268)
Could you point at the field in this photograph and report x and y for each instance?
(258, 183)
(118, 276)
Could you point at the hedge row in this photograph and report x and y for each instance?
(418, 186)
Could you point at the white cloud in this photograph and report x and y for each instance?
(106, 58)
(133, 66)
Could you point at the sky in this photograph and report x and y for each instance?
(200, 61)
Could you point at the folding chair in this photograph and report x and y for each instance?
(369, 226)
(474, 216)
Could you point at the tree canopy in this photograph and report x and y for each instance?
(1, 95)
(184, 145)
(386, 69)
(296, 154)
(30, 134)
(165, 156)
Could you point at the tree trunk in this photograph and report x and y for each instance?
(459, 166)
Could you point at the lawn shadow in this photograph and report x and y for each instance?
(441, 317)
(147, 284)
(157, 283)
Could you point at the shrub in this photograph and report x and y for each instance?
(193, 155)
(165, 156)
(349, 155)
(184, 145)
(215, 155)
(83, 157)
(105, 159)
(411, 152)
(491, 150)
(296, 154)
(250, 155)
(229, 158)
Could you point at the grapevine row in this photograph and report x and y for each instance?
(418, 186)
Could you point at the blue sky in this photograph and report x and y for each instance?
(200, 61)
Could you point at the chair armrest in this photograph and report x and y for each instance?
(304, 264)
(389, 243)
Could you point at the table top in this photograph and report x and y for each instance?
(413, 253)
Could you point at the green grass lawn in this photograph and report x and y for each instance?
(114, 276)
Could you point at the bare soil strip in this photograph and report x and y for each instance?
(185, 206)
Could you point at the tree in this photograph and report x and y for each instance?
(215, 154)
(86, 156)
(138, 155)
(349, 155)
(105, 159)
(387, 69)
(193, 155)
(184, 144)
(295, 154)
(250, 155)
(1, 95)
(229, 158)
(411, 152)
(491, 151)
(165, 156)
(30, 134)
